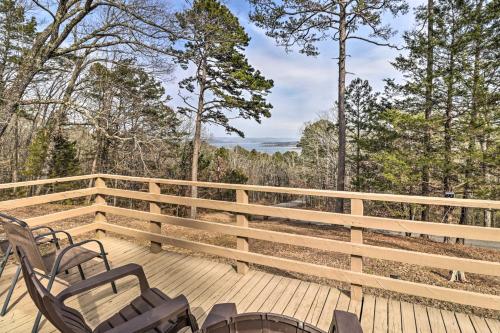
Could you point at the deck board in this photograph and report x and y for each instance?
(205, 283)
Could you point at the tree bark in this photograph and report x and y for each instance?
(429, 85)
(447, 127)
(339, 208)
(197, 135)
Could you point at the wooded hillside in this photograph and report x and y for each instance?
(82, 91)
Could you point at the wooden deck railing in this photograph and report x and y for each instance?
(356, 220)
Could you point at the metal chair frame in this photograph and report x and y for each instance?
(13, 223)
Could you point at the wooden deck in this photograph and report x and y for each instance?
(206, 282)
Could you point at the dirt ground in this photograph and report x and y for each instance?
(437, 277)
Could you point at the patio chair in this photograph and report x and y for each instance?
(152, 311)
(6, 247)
(51, 264)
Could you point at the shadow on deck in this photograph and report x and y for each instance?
(206, 283)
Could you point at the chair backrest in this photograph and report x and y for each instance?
(19, 235)
(65, 319)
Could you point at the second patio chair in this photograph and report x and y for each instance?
(51, 264)
(151, 311)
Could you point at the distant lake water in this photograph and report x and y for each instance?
(264, 145)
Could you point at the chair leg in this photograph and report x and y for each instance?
(80, 269)
(39, 314)
(106, 264)
(192, 322)
(5, 259)
(11, 290)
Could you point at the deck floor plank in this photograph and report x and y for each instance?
(368, 314)
(480, 324)
(450, 322)
(380, 322)
(422, 319)
(408, 318)
(436, 320)
(325, 319)
(394, 316)
(465, 323)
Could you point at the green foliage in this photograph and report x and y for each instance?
(64, 160)
(37, 153)
(362, 113)
(224, 81)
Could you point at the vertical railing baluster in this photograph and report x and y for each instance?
(242, 221)
(356, 237)
(100, 217)
(154, 227)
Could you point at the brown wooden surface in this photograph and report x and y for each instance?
(206, 282)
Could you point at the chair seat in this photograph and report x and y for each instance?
(72, 258)
(150, 299)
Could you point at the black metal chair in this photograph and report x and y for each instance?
(50, 265)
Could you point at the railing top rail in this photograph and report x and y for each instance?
(437, 201)
(45, 181)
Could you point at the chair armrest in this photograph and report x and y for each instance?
(345, 322)
(54, 233)
(104, 278)
(220, 312)
(148, 320)
(40, 227)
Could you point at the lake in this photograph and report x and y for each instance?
(264, 145)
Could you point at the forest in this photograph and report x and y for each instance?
(82, 91)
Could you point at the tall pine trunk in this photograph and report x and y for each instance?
(429, 85)
(341, 106)
(447, 126)
(197, 135)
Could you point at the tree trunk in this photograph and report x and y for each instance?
(447, 128)
(358, 153)
(197, 136)
(341, 104)
(428, 106)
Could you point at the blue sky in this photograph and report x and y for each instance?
(305, 87)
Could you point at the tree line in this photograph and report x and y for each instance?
(82, 91)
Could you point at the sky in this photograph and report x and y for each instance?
(305, 87)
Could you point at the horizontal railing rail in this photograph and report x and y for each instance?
(46, 181)
(355, 248)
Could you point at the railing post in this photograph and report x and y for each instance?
(356, 237)
(154, 227)
(100, 200)
(242, 221)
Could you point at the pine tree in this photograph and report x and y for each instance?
(224, 84)
(362, 112)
